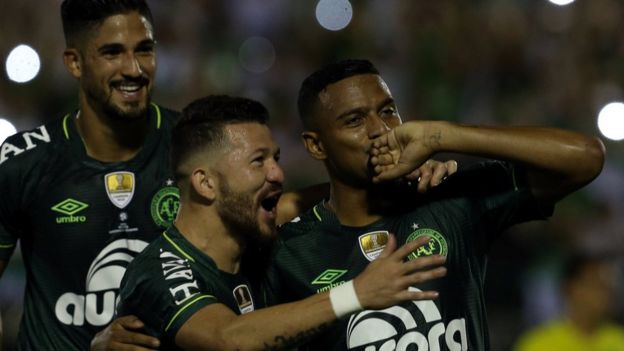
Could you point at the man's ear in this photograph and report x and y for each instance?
(313, 145)
(72, 61)
(203, 184)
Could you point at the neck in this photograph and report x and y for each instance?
(203, 228)
(107, 139)
(351, 205)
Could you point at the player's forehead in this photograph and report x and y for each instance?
(127, 29)
(245, 139)
(359, 91)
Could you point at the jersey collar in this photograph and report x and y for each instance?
(78, 148)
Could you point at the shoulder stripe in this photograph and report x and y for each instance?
(201, 297)
(6, 246)
(65, 126)
(178, 248)
(317, 214)
(158, 118)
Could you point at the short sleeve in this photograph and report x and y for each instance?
(164, 305)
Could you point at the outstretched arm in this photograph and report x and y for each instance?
(383, 283)
(558, 161)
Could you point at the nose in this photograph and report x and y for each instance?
(376, 126)
(131, 66)
(275, 174)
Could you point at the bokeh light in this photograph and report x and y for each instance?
(334, 15)
(611, 121)
(256, 54)
(6, 129)
(561, 2)
(22, 64)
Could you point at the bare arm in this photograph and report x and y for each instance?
(558, 161)
(383, 283)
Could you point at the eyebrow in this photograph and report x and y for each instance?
(362, 110)
(120, 47)
(386, 102)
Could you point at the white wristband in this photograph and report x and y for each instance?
(344, 300)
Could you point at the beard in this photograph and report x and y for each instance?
(237, 213)
(128, 112)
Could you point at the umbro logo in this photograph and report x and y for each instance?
(70, 207)
(329, 279)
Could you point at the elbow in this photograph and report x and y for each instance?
(595, 152)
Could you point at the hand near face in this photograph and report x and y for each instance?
(403, 152)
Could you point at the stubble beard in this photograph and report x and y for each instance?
(236, 212)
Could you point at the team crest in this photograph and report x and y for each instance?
(242, 295)
(373, 243)
(164, 207)
(120, 187)
(436, 246)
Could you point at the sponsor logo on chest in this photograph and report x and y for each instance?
(329, 279)
(417, 325)
(71, 208)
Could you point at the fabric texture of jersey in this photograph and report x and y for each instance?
(79, 222)
(562, 336)
(316, 253)
(171, 280)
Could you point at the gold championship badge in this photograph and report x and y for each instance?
(373, 243)
(120, 187)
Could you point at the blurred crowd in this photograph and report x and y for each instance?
(513, 62)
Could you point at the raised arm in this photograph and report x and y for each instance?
(558, 161)
(383, 283)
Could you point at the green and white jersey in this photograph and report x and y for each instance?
(316, 253)
(171, 280)
(79, 223)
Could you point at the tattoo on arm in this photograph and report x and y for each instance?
(434, 139)
(281, 342)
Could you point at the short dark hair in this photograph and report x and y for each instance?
(81, 16)
(320, 79)
(203, 120)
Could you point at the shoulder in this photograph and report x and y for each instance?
(166, 117)
(33, 144)
(299, 226)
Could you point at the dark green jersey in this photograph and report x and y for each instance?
(316, 253)
(171, 280)
(79, 223)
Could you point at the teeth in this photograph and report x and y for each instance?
(129, 88)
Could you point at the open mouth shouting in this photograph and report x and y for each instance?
(268, 204)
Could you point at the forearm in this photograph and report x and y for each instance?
(550, 149)
(282, 326)
(554, 157)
